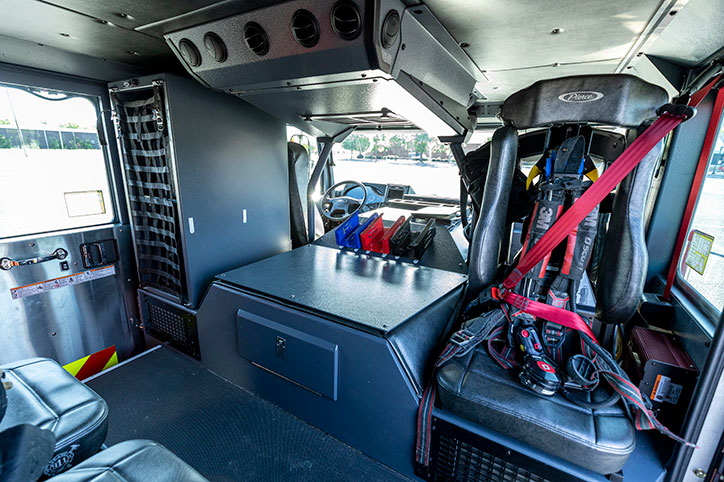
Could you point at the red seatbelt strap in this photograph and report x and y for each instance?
(560, 230)
(696, 185)
(593, 196)
(569, 319)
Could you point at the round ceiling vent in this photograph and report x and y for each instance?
(189, 52)
(390, 29)
(305, 28)
(256, 38)
(215, 46)
(346, 20)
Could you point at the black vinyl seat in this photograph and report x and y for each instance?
(298, 158)
(132, 461)
(299, 172)
(45, 395)
(474, 386)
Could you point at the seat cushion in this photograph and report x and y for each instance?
(132, 461)
(478, 389)
(45, 395)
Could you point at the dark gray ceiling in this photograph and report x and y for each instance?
(512, 41)
(50, 25)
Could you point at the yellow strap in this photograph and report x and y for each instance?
(534, 171)
(592, 174)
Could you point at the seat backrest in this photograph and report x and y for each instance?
(487, 237)
(298, 181)
(611, 100)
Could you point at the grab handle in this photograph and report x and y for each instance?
(7, 264)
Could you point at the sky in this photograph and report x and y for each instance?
(34, 113)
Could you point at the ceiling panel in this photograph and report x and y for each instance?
(510, 81)
(518, 33)
(694, 34)
(56, 27)
(132, 13)
(29, 54)
(157, 17)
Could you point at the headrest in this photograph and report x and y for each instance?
(296, 152)
(608, 99)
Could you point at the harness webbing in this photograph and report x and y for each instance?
(630, 158)
(489, 325)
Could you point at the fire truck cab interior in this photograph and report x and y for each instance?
(429, 240)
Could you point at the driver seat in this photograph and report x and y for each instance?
(475, 387)
(299, 172)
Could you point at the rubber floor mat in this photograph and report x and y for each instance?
(223, 431)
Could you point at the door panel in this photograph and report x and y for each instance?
(67, 322)
(62, 181)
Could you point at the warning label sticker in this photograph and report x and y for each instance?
(665, 391)
(55, 283)
(698, 251)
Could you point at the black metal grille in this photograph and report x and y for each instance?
(151, 193)
(172, 324)
(459, 455)
(461, 462)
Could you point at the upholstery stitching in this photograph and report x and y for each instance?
(35, 394)
(534, 421)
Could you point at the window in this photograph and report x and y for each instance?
(702, 260)
(53, 173)
(413, 159)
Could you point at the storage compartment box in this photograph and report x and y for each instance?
(299, 357)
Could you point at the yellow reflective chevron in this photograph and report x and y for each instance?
(74, 367)
(93, 363)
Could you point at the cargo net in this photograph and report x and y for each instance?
(151, 194)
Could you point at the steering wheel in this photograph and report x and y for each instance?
(348, 205)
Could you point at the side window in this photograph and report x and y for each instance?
(702, 260)
(53, 172)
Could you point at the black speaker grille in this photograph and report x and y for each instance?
(458, 461)
(305, 28)
(171, 324)
(459, 455)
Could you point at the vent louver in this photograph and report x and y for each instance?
(189, 52)
(215, 47)
(390, 29)
(305, 28)
(256, 38)
(346, 20)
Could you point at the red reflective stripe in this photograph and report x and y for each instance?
(563, 317)
(594, 195)
(709, 140)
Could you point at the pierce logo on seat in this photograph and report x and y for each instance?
(581, 96)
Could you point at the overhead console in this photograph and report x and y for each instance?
(326, 65)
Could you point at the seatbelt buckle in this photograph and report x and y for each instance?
(462, 338)
(486, 301)
(553, 334)
(680, 110)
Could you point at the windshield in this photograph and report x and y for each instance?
(413, 159)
